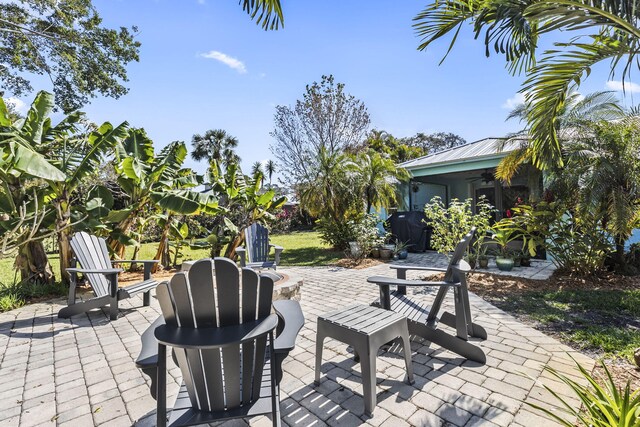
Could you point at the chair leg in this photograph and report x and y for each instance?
(113, 308)
(161, 391)
(368, 366)
(319, 346)
(275, 401)
(146, 298)
(406, 346)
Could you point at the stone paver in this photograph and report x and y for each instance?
(81, 372)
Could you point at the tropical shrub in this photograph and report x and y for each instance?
(365, 234)
(604, 405)
(576, 241)
(450, 224)
(337, 234)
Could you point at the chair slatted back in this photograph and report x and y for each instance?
(92, 254)
(218, 379)
(257, 242)
(458, 254)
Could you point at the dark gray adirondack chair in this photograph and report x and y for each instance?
(256, 238)
(224, 340)
(423, 321)
(92, 254)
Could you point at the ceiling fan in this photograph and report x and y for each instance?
(487, 177)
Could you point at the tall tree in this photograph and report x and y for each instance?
(66, 41)
(325, 119)
(270, 169)
(606, 31)
(434, 142)
(215, 145)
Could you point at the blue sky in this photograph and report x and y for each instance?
(205, 65)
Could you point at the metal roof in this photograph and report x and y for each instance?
(487, 147)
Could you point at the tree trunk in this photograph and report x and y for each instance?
(619, 254)
(134, 265)
(534, 181)
(33, 263)
(163, 246)
(124, 226)
(233, 245)
(63, 232)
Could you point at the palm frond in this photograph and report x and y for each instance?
(265, 12)
(549, 83)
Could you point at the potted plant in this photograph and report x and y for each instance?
(401, 250)
(502, 235)
(525, 258)
(471, 258)
(483, 258)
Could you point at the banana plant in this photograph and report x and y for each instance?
(78, 155)
(24, 165)
(243, 202)
(153, 182)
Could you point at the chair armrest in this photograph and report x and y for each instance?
(415, 267)
(148, 356)
(381, 280)
(131, 261)
(278, 251)
(243, 256)
(98, 271)
(292, 318)
(204, 338)
(148, 265)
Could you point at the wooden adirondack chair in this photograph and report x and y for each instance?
(92, 254)
(224, 340)
(256, 238)
(423, 321)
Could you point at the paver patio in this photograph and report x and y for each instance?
(81, 372)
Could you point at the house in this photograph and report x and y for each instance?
(467, 171)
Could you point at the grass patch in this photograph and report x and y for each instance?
(300, 249)
(304, 248)
(605, 322)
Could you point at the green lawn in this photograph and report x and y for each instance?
(606, 322)
(300, 248)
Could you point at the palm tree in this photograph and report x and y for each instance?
(577, 111)
(215, 145)
(270, 168)
(514, 28)
(604, 166)
(378, 177)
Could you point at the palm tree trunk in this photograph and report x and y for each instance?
(162, 254)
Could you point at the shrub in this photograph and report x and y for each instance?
(451, 224)
(282, 222)
(336, 234)
(366, 234)
(577, 243)
(604, 405)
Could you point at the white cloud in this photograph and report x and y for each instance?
(17, 104)
(514, 101)
(627, 87)
(227, 60)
